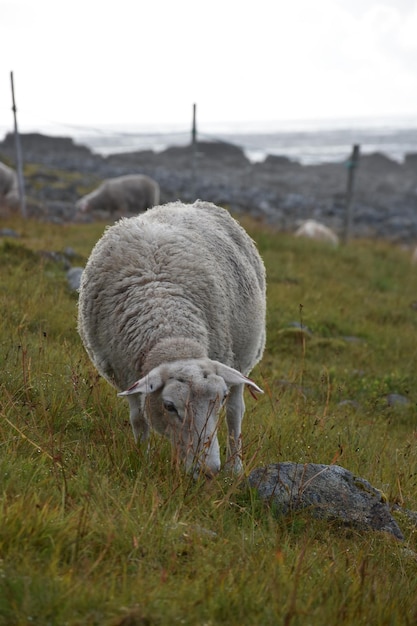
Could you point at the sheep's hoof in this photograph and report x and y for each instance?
(234, 465)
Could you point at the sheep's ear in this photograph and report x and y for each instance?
(234, 377)
(149, 383)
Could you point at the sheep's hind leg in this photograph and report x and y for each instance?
(138, 421)
(234, 414)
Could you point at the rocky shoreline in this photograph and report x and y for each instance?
(278, 191)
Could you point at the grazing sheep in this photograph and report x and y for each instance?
(123, 195)
(314, 230)
(172, 307)
(9, 189)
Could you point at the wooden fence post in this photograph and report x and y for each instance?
(194, 127)
(352, 164)
(19, 160)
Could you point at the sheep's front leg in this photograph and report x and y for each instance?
(138, 420)
(234, 415)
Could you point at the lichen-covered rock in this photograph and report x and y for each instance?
(328, 491)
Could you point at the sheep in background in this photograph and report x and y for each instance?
(315, 230)
(123, 195)
(9, 189)
(172, 310)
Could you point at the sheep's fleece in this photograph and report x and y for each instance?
(172, 310)
(132, 193)
(9, 190)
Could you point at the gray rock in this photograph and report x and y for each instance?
(328, 491)
(396, 399)
(302, 327)
(352, 403)
(8, 232)
(74, 277)
(70, 252)
(351, 339)
(55, 257)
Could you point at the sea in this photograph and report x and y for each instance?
(305, 141)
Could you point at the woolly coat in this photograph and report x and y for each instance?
(133, 193)
(9, 190)
(160, 284)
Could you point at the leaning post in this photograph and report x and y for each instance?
(19, 160)
(352, 165)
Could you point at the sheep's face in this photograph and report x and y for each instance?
(187, 410)
(82, 204)
(182, 401)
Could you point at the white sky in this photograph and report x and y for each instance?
(94, 62)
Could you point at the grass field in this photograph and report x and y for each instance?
(95, 532)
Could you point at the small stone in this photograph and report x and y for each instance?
(8, 232)
(74, 277)
(396, 399)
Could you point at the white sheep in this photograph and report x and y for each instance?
(133, 193)
(9, 189)
(315, 230)
(172, 307)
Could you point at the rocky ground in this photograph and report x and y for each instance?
(278, 191)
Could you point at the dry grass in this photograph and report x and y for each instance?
(96, 531)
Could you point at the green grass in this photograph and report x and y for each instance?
(94, 530)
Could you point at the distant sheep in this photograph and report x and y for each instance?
(122, 195)
(9, 189)
(314, 230)
(172, 307)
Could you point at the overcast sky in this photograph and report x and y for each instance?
(95, 62)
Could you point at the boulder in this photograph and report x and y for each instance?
(218, 151)
(327, 492)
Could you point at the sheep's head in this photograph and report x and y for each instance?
(182, 400)
(82, 204)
